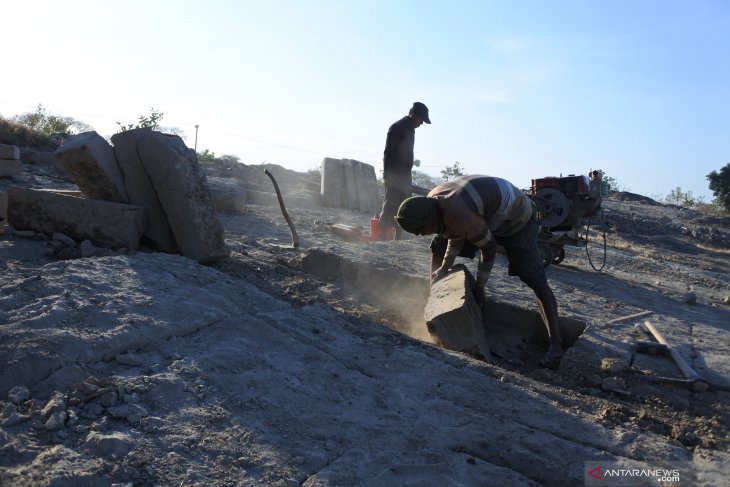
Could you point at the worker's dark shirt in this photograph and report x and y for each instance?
(398, 154)
(476, 208)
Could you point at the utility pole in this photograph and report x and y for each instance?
(196, 139)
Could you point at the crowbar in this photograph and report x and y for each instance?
(692, 378)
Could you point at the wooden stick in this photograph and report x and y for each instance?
(629, 317)
(294, 236)
(686, 369)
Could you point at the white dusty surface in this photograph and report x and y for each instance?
(150, 369)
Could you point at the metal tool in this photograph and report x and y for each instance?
(692, 379)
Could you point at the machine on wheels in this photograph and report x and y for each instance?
(562, 202)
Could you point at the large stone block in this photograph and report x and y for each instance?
(228, 194)
(366, 183)
(183, 192)
(104, 223)
(347, 183)
(453, 316)
(9, 151)
(140, 189)
(350, 198)
(89, 160)
(10, 168)
(331, 187)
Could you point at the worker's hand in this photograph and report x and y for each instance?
(438, 274)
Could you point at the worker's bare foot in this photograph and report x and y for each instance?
(551, 359)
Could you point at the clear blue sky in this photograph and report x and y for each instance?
(517, 89)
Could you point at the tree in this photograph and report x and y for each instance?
(151, 121)
(423, 180)
(452, 172)
(680, 198)
(206, 156)
(51, 125)
(720, 186)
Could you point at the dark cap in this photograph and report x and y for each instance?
(421, 111)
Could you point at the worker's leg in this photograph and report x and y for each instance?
(525, 261)
(394, 196)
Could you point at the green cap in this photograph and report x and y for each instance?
(415, 213)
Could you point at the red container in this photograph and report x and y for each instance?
(375, 230)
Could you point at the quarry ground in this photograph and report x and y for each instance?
(312, 366)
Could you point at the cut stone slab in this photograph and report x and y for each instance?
(350, 198)
(140, 189)
(453, 317)
(368, 198)
(90, 161)
(10, 168)
(331, 182)
(347, 183)
(104, 223)
(9, 151)
(183, 192)
(228, 194)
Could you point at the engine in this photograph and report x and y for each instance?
(563, 201)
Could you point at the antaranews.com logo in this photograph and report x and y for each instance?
(615, 474)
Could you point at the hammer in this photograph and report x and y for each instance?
(692, 378)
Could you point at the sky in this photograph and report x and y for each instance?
(521, 89)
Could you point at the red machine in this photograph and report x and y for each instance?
(562, 202)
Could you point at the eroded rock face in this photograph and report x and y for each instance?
(183, 192)
(90, 161)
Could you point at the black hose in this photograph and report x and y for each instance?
(603, 224)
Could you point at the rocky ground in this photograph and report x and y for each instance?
(312, 365)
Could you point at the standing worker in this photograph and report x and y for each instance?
(398, 163)
(477, 213)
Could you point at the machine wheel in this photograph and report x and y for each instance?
(553, 205)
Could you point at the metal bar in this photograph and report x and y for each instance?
(686, 369)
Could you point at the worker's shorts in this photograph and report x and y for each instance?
(523, 253)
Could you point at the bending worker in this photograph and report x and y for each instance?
(477, 213)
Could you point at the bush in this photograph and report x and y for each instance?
(15, 133)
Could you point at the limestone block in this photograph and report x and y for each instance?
(332, 180)
(183, 192)
(228, 194)
(10, 168)
(453, 317)
(9, 151)
(140, 189)
(347, 183)
(350, 198)
(367, 187)
(89, 160)
(104, 223)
